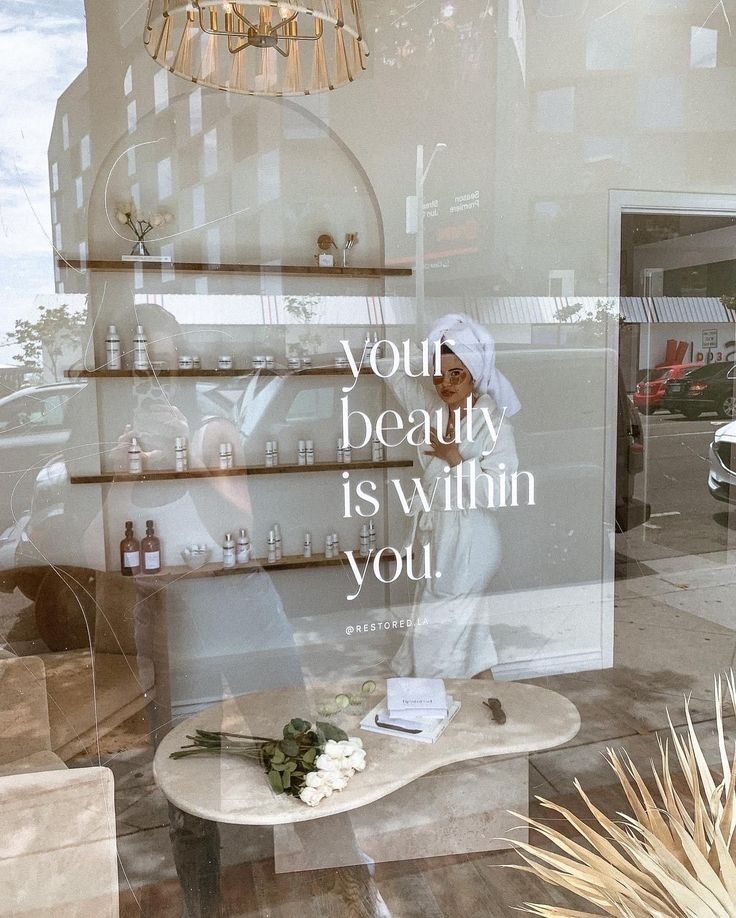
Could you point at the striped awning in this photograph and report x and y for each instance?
(700, 309)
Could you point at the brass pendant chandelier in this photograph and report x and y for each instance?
(266, 48)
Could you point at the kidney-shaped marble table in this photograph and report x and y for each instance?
(207, 790)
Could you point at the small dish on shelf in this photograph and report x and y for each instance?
(196, 556)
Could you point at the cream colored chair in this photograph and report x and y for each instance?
(58, 854)
(25, 735)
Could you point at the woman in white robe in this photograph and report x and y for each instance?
(452, 637)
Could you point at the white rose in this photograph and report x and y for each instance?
(356, 761)
(348, 748)
(333, 750)
(325, 790)
(314, 779)
(336, 781)
(325, 763)
(356, 741)
(311, 795)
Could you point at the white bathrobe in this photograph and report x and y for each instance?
(453, 636)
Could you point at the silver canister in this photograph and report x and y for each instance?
(186, 362)
(225, 362)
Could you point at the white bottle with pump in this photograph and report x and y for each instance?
(228, 551)
(113, 353)
(243, 550)
(277, 536)
(307, 544)
(340, 454)
(372, 537)
(140, 349)
(275, 450)
(135, 458)
(302, 453)
(310, 452)
(271, 547)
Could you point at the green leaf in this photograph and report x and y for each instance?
(278, 755)
(309, 756)
(299, 725)
(289, 747)
(276, 783)
(286, 778)
(290, 767)
(331, 732)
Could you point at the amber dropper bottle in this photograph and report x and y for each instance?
(151, 551)
(130, 553)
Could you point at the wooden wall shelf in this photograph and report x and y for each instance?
(171, 475)
(191, 267)
(215, 568)
(212, 373)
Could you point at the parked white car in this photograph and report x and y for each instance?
(722, 474)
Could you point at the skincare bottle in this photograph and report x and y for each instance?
(307, 361)
(365, 541)
(271, 547)
(372, 537)
(113, 359)
(151, 550)
(302, 453)
(377, 454)
(307, 545)
(270, 362)
(130, 553)
(228, 551)
(367, 348)
(377, 347)
(196, 362)
(140, 349)
(335, 545)
(277, 536)
(243, 547)
(275, 450)
(135, 460)
(310, 452)
(328, 548)
(340, 452)
(181, 454)
(269, 454)
(347, 454)
(226, 456)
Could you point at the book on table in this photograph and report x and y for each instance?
(418, 728)
(413, 698)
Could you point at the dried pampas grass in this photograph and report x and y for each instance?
(674, 858)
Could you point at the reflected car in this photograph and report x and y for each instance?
(33, 427)
(710, 388)
(650, 390)
(722, 471)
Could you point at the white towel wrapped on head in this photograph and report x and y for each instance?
(474, 345)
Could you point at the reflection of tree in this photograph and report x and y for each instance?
(302, 309)
(44, 341)
(426, 25)
(590, 320)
